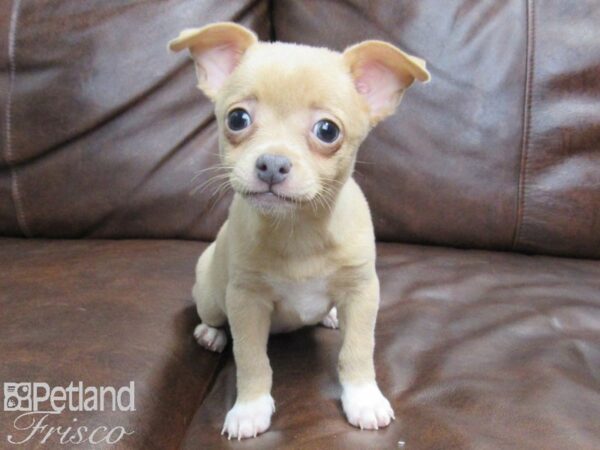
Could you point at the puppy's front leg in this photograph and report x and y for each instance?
(250, 320)
(362, 401)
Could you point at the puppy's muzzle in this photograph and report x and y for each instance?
(273, 169)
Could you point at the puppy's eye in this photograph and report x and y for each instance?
(326, 131)
(238, 119)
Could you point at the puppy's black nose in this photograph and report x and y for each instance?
(272, 169)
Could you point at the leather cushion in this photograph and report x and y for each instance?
(474, 350)
(104, 130)
(107, 128)
(500, 150)
(105, 313)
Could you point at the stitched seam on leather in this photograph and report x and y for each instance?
(530, 69)
(223, 357)
(213, 376)
(9, 157)
(271, 16)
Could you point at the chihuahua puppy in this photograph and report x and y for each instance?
(299, 239)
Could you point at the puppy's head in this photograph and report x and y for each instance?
(291, 117)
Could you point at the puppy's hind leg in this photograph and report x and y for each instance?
(206, 294)
(331, 319)
(207, 334)
(213, 339)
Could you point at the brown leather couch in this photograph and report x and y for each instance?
(484, 188)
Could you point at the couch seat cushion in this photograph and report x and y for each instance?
(475, 350)
(105, 313)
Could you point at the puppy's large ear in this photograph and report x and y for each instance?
(216, 50)
(382, 73)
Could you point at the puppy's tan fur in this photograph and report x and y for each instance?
(283, 262)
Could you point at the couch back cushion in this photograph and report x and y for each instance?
(502, 149)
(105, 130)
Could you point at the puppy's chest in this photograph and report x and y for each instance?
(299, 303)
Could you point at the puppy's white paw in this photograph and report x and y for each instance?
(213, 339)
(331, 319)
(366, 407)
(248, 419)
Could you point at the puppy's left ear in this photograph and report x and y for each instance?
(216, 50)
(382, 73)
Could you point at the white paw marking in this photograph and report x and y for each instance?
(331, 319)
(213, 339)
(248, 419)
(366, 407)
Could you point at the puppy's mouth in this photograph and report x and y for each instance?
(270, 198)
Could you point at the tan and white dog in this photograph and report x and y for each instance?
(299, 240)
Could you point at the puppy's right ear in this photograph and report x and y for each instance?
(216, 50)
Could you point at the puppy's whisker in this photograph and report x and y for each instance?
(216, 167)
(358, 161)
(212, 179)
(332, 179)
(206, 184)
(213, 153)
(216, 200)
(311, 202)
(327, 198)
(218, 175)
(225, 183)
(321, 201)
